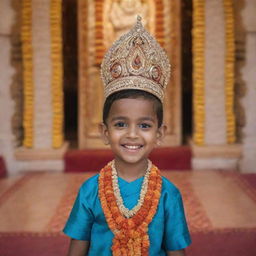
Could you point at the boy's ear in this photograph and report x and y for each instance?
(161, 134)
(104, 133)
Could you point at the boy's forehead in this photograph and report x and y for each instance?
(135, 107)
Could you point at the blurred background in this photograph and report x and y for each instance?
(51, 99)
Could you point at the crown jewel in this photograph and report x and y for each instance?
(136, 61)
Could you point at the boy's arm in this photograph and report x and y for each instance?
(78, 247)
(176, 253)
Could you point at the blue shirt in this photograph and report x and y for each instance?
(168, 230)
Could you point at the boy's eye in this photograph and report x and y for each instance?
(144, 126)
(120, 124)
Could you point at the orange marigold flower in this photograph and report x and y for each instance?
(131, 236)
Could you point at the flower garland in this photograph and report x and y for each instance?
(99, 37)
(28, 86)
(57, 69)
(159, 22)
(130, 234)
(125, 211)
(229, 69)
(198, 70)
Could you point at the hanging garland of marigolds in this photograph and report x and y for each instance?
(229, 69)
(57, 72)
(28, 86)
(198, 70)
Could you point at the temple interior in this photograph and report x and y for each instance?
(51, 99)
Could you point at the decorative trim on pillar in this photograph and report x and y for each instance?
(220, 157)
(229, 70)
(24, 155)
(57, 72)
(99, 36)
(159, 22)
(28, 86)
(198, 34)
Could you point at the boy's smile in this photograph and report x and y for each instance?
(132, 131)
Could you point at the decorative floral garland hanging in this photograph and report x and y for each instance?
(57, 72)
(159, 22)
(28, 86)
(229, 69)
(198, 70)
(99, 37)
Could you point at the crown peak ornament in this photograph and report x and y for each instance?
(136, 61)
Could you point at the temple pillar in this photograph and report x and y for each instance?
(7, 139)
(213, 80)
(30, 37)
(43, 146)
(248, 161)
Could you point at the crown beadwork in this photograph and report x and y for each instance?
(136, 61)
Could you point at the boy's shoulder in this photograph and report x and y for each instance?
(92, 182)
(169, 187)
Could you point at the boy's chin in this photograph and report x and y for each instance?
(129, 159)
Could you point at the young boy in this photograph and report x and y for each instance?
(129, 209)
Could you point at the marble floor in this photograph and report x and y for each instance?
(41, 202)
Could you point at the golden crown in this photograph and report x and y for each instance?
(136, 61)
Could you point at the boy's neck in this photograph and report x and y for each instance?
(131, 172)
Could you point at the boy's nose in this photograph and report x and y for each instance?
(132, 132)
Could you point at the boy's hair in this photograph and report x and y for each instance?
(133, 94)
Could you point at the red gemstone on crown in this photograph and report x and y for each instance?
(116, 70)
(155, 73)
(137, 62)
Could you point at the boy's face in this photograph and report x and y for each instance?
(132, 129)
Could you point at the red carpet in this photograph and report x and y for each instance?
(29, 244)
(215, 243)
(3, 171)
(223, 243)
(176, 158)
(206, 239)
(250, 178)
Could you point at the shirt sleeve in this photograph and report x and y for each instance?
(81, 218)
(176, 234)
